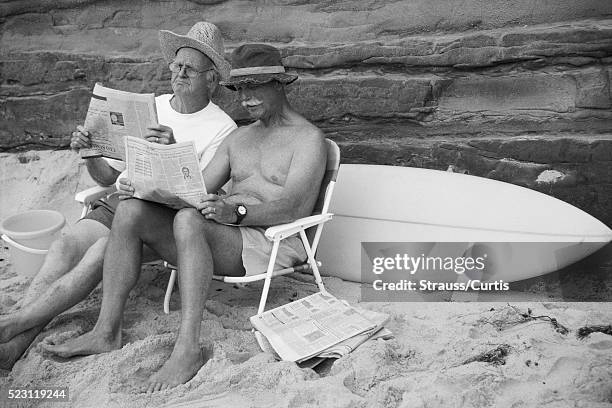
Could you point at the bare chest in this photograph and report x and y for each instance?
(262, 160)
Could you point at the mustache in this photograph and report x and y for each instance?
(251, 102)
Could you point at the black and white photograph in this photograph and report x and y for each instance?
(406, 204)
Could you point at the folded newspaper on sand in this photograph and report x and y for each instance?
(114, 114)
(345, 347)
(166, 174)
(318, 325)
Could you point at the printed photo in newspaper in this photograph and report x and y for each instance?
(114, 114)
(303, 329)
(166, 174)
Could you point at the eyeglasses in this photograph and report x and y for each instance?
(189, 71)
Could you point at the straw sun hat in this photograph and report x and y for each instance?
(204, 37)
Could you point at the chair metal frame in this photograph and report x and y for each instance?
(279, 232)
(89, 196)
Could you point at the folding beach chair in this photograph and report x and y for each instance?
(308, 226)
(314, 225)
(89, 196)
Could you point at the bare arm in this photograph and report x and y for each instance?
(101, 172)
(98, 168)
(217, 172)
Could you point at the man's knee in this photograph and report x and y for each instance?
(69, 245)
(130, 213)
(189, 222)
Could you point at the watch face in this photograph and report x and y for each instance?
(241, 210)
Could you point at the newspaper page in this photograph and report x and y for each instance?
(114, 114)
(304, 328)
(166, 174)
(347, 346)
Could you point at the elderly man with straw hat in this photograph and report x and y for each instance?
(276, 165)
(73, 266)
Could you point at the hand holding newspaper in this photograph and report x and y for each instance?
(114, 114)
(317, 325)
(166, 174)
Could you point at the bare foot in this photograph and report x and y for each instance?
(9, 328)
(12, 350)
(89, 343)
(182, 365)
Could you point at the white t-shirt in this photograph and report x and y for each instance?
(207, 127)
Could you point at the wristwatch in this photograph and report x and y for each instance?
(241, 212)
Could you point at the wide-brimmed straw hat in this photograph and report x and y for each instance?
(257, 64)
(204, 37)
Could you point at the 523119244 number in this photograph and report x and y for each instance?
(47, 394)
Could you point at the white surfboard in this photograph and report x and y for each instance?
(401, 204)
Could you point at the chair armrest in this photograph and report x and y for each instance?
(286, 230)
(94, 193)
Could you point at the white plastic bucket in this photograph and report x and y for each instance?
(29, 235)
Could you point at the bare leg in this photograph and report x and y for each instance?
(202, 246)
(64, 254)
(24, 326)
(135, 223)
(17, 331)
(64, 293)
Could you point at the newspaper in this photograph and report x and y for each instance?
(303, 329)
(347, 346)
(113, 114)
(166, 174)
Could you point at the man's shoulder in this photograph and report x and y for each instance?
(163, 98)
(237, 134)
(214, 112)
(313, 132)
(211, 113)
(304, 127)
(301, 132)
(306, 133)
(241, 131)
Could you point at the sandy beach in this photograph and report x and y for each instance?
(444, 354)
(511, 91)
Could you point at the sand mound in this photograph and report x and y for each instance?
(429, 364)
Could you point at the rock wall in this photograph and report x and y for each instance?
(517, 91)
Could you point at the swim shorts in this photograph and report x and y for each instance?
(256, 250)
(102, 211)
